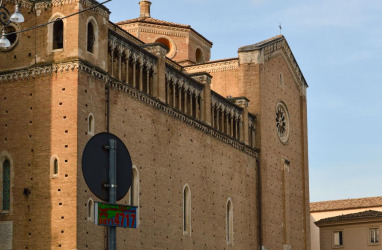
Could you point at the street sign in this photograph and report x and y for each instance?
(95, 166)
(115, 215)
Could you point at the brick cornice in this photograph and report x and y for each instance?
(210, 67)
(78, 65)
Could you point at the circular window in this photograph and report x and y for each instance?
(13, 38)
(169, 44)
(282, 122)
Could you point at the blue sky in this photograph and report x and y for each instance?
(338, 45)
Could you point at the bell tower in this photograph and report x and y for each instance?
(185, 45)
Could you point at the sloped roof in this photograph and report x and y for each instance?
(261, 44)
(151, 20)
(346, 204)
(370, 214)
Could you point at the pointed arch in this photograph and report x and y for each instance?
(92, 36)
(56, 32)
(54, 166)
(90, 209)
(91, 122)
(186, 210)
(6, 182)
(229, 222)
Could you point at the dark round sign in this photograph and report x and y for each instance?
(95, 166)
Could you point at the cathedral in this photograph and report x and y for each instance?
(219, 148)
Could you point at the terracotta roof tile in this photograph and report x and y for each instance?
(346, 204)
(370, 214)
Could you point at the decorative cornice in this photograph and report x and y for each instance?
(155, 29)
(211, 67)
(85, 4)
(78, 65)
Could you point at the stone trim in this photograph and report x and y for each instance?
(211, 67)
(123, 33)
(36, 71)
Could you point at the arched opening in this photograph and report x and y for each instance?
(91, 37)
(6, 180)
(199, 56)
(13, 37)
(165, 42)
(186, 211)
(134, 188)
(90, 206)
(229, 222)
(58, 34)
(91, 124)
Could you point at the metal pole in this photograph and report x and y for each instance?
(112, 189)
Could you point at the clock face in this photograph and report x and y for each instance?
(282, 122)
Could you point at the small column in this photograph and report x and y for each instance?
(231, 132)
(127, 68)
(212, 116)
(197, 107)
(180, 98)
(191, 105)
(185, 102)
(168, 92)
(134, 83)
(148, 81)
(227, 129)
(159, 77)
(120, 64)
(218, 119)
(173, 95)
(141, 75)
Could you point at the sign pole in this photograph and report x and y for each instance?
(112, 189)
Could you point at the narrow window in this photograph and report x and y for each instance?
(91, 37)
(229, 222)
(54, 166)
(6, 185)
(199, 56)
(374, 235)
(134, 190)
(90, 206)
(58, 34)
(338, 238)
(186, 211)
(91, 124)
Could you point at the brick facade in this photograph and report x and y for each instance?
(177, 124)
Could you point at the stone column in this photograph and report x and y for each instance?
(120, 63)
(127, 66)
(141, 63)
(185, 101)
(148, 81)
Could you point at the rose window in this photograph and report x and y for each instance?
(282, 122)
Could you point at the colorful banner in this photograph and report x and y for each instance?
(115, 215)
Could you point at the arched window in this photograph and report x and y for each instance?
(90, 124)
(186, 210)
(54, 166)
(134, 188)
(199, 56)
(91, 37)
(229, 222)
(90, 208)
(6, 181)
(58, 34)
